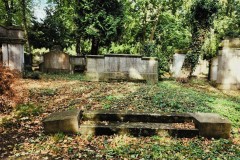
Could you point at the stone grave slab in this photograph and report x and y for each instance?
(209, 125)
(212, 125)
(66, 121)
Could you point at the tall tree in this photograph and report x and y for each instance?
(52, 31)
(26, 15)
(9, 6)
(100, 21)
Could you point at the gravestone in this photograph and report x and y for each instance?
(56, 60)
(228, 75)
(180, 71)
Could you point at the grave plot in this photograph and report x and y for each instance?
(103, 122)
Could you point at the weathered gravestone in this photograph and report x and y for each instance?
(228, 75)
(56, 60)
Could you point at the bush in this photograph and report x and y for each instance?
(8, 97)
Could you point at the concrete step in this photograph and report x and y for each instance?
(138, 129)
(136, 117)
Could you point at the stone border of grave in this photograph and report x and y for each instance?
(209, 125)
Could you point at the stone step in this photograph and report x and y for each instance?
(136, 117)
(137, 129)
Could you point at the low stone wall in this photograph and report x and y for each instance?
(77, 63)
(209, 125)
(121, 67)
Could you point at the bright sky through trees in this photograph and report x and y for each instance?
(39, 6)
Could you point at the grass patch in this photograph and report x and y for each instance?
(24, 110)
(58, 137)
(43, 92)
(63, 76)
(176, 149)
(174, 97)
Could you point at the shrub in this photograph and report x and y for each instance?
(8, 97)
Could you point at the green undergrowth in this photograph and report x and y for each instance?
(24, 110)
(62, 76)
(175, 97)
(176, 150)
(165, 96)
(43, 91)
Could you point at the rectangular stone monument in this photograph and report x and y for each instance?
(12, 44)
(122, 67)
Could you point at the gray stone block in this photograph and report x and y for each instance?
(212, 125)
(66, 121)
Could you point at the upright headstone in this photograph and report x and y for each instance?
(56, 60)
(178, 60)
(214, 69)
(228, 76)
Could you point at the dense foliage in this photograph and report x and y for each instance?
(146, 27)
(200, 17)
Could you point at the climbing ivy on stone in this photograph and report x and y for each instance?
(200, 17)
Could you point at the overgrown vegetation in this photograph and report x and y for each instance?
(51, 94)
(146, 27)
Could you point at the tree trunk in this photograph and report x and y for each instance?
(154, 26)
(144, 25)
(78, 46)
(25, 26)
(8, 8)
(95, 46)
(196, 44)
(209, 69)
(78, 36)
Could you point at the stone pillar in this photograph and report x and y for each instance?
(12, 40)
(214, 69)
(13, 56)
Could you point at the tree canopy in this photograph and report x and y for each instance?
(146, 27)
